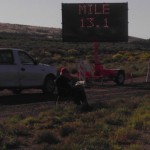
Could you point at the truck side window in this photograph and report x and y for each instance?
(6, 57)
(25, 58)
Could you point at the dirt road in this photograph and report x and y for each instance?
(31, 102)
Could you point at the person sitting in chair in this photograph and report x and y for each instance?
(67, 82)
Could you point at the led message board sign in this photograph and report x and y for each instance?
(91, 22)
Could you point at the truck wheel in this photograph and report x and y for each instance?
(120, 78)
(17, 91)
(49, 85)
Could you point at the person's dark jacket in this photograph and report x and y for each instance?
(65, 84)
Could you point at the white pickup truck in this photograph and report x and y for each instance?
(19, 71)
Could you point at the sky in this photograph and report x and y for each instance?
(47, 13)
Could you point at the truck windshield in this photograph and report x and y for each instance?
(26, 59)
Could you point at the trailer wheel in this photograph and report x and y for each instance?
(17, 91)
(120, 78)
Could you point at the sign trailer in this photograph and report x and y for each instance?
(96, 22)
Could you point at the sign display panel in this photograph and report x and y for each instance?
(95, 22)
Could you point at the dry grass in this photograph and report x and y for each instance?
(123, 126)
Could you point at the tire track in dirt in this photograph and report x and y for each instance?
(109, 94)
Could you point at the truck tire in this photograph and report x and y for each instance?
(49, 85)
(17, 91)
(120, 78)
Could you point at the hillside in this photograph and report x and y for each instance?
(47, 31)
(26, 29)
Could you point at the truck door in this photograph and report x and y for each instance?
(30, 73)
(9, 73)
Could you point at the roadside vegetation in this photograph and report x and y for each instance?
(46, 46)
(117, 124)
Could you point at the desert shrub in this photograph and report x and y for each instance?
(115, 119)
(95, 143)
(56, 58)
(59, 51)
(133, 103)
(58, 120)
(89, 118)
(123, 111)
(30, 122)
(101, 112)
(137, 123)
(140, 119)
(10, 142)
(134, 147)
(1, 135)
(103, 128)
(46, 114)
(144, 56)
(73, 52)
(18, 130)
(66, 130)
(120, 56)
(15, 118)
(70, 59)
(126, 135)
(125, 56)
(46, 137)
